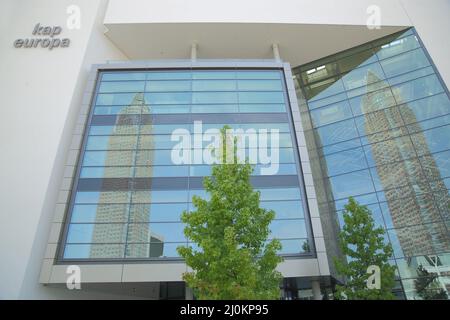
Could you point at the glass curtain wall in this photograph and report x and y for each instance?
(378, 128)
(129, 195)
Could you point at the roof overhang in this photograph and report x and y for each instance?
(298, 43)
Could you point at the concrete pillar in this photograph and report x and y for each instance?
(194, 51)
(276, 52)
(315, 285)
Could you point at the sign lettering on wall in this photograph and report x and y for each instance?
(46, 37)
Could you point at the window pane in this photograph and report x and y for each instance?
(111, 142)
(363, 76)
(433, 140)
(120, 99)
(168, 98)
(416, 89)
(169, 75)
(98, 251)
(351, 184)
(406, 62)
(160, 196)
(280, 194)
(157, 212)
(97, 233)
(214, 97)
(122, 86)
(425, 108)
(323, 89)
(114, 76)
(103, 110)
(356, 60)
(294, 246)
(318, 73)
(397, 46)
(258, 108)
(260, 85)
(83, 213)
(162, 171)
(214, 85)
(377, 100)
(161, 86)
(258, 75)
(345, 161)
(261, 97)
(288, 229)
(285, 209)
(213, 75)
(337, 132)
(331, 113)
(215, 108)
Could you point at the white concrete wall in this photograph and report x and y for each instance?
(432, 21)
(40, 91)
(345, 12)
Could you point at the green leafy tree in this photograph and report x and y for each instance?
(427, 286)
(234, 260)
(363, 245)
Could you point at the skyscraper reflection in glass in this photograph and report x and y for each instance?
(129, 193)
(378, 129)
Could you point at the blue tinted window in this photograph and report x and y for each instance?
(261, 97)
(129, 196)
(168, 98)
(115, 76)
(161, 86)
(122, 86)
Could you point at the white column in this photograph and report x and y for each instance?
(194, 51)
(315, 285)
(276, 52)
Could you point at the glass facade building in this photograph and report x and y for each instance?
(377, 125)
(129, 194)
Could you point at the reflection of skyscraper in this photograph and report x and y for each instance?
(125, 136)
(409, 195)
